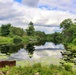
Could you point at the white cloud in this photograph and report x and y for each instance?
(69, 5)
(20, 15)
(31, 3)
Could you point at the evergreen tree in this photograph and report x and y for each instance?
(30, 30)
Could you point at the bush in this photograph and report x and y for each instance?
(68, 67)
(17, 39)
(5, 40)
(74, 41)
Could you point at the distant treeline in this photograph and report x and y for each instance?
(29, 34)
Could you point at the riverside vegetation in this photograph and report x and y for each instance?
(38, 69)
(15, 36)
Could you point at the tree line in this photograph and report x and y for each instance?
(7, 30)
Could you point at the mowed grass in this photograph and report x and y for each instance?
(5, 40)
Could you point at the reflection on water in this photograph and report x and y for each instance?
(50, 46)
(9, 49)
(32, 52)
(49, 49)
(30, 49)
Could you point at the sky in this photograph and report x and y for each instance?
(46, 15)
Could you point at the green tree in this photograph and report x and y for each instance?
(5, 29)
(30, 30)
(56, 38)
(69, 40)
(17, 39)
(40, 35)
(66, 24)
(16, 31)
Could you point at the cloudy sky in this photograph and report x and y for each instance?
(45, 14)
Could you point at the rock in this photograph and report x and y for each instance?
(57, 74)
(7, 72)
(37, 73)
(1, 73)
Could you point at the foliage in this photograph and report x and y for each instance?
(29, 35)
(66, 23)
(69, 40)
(41, 36)
(74, 41)
(17, 39)
(5, 29)
(56, 38)
(68, 67)
(5, 40)
(16, 31)
(37, 68)
(30, 30)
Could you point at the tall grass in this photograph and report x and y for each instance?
(37, 68)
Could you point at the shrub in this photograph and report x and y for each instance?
(68, 67)
(17, 39)
(74, 41)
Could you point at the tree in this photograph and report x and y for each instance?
(56, 38)
(5, 29)
(66, 32)
(30, 30)
(66, 24)
(69, 40)
(16, 31)
(17, 39)
(41, 36)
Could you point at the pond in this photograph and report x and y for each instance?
(32, 53)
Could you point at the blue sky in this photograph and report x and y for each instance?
(42, 13)
(18, 0)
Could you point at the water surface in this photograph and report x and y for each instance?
(48, 53)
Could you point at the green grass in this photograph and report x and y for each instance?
(2, 56)
(9, 40)
(5, 40)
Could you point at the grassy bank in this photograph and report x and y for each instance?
(5, 40)
(38, 69)
(9, 40)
